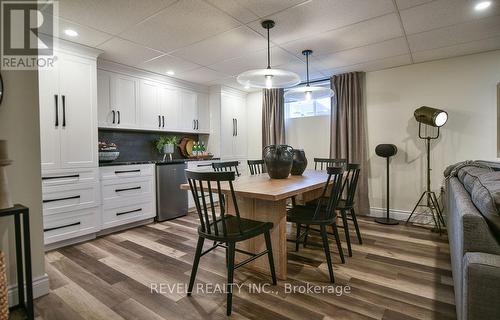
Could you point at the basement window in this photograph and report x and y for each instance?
(308, 108)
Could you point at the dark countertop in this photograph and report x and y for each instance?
(157, 162)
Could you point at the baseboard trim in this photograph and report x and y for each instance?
(40, 288)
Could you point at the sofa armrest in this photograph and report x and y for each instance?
(481, 286)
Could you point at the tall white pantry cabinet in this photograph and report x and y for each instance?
(68, 133)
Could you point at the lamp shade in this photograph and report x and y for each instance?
(268, 78)
(308, 93)
(431, 116)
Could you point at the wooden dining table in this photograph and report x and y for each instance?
(264, 199)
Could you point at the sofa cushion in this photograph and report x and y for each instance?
(469, 174)
(485, 195)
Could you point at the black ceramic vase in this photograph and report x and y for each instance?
(299, 162)
(279, 160)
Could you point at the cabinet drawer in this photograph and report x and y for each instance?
(62, 226)
(118, 172)
(62, 198)
(127, 188)
(68, 177)
(115, 215)
(200, 165)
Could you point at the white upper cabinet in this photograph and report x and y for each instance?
(203, 113)
(68, 113)
(149, 105)
(189, 111)
(169, 108)
(117, 100)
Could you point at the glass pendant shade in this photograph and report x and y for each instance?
(308, 92)
(268, 78)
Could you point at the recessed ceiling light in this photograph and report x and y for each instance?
(170, 72)
(482, 5)
(71, 33)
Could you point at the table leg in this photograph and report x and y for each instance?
(268, 211)
(27, 264)
(19, 260)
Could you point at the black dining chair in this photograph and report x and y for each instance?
(323, 163)
(226, 166)
(224, 229)
(256, 166)
(322, 215)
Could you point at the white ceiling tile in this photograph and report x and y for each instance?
(264, 8)
(112, 16)
(363, 33)
(456, 34)
(86, 36)
(374, 65)
(405, 4)
(230, 82)
(235, 10)
(231, 44)
(166, 63)
(318, 16)
(256, 60)
(181, 24)
(299, 68)
(376, 51)
(126, 52)
(441, 13)
(458, 50)
(201, 75)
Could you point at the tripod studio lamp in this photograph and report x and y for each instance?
(427, 116)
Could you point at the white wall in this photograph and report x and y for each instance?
(465, 87)
(20, 126)
(254, 125)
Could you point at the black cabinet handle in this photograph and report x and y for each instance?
(127, 189)
(197, 125)
(119, 117)
(194, 125)
(113, 111)
(236, 121)
(61, 227)
(159, 121)
(127, 171)
(61, 177)
(163, 118)
(64, 110)
(57, 109)
(131, 211)
(61, 199)
(234, 127)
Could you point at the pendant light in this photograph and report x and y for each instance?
(268, 78)
(308, 93)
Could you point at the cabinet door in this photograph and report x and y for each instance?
(149, 105)
(104, 111)
(77, 87)
(124, 100)
(228, 126)
(189, 111)
(170, 107)
(48, 82)
(240, 143)
(203, 113)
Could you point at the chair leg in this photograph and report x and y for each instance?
(337, 240)
(305, 237)
(269, 247)
(346, 231)
(324, 235)
(230, 274)
(355, 221)
(197, 255)
(297, 240)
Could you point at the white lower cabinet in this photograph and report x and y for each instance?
(69, 225)
(128, 194)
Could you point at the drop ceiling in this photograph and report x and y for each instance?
(211, 41)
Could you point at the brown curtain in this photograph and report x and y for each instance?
(273, 117)
(347, 131)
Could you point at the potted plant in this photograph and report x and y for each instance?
(166, 145)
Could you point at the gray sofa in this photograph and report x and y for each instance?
(473, 214)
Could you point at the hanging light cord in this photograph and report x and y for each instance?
(307, 69)
(268, 51)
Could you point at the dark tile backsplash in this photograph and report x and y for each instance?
(139, 146)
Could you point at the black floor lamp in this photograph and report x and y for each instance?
(435, 118)
(386, 151)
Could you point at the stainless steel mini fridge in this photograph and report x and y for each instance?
(171, 201)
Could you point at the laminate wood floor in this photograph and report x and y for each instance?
(400, 272)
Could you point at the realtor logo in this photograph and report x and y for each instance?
(27, 34)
